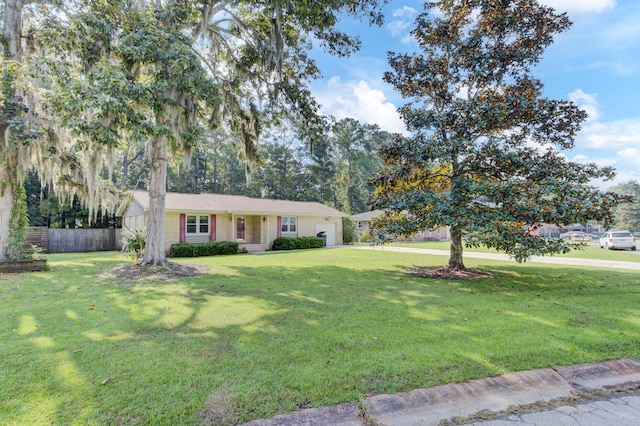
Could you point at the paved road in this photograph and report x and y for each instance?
(572, 261)
(615, 410)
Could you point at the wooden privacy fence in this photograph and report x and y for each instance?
(57, 240)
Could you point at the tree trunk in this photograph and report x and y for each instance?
(215, 174)
(154, 251)
(7, 201)
(13, 29)
(12, 33)
(455, 252)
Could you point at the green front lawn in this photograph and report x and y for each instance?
(259, 335)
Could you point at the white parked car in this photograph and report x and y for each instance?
(618, 240)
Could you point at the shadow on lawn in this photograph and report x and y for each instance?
(272, 339)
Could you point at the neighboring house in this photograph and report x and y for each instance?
(253, 223)
(362, 221)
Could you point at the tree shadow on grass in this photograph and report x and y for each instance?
(272, 339)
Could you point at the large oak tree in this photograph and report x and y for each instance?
(156, 71)
(484, 155)
(28, 140)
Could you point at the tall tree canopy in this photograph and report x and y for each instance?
(156, 71)
(627, 214)
(27, 139)
(483, 156)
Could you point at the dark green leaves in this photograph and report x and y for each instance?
(476, 112)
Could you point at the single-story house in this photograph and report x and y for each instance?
(252, 222)
(362, 221)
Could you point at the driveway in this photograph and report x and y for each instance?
(569, 261)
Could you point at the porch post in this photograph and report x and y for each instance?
(212, 235)
(279, 230)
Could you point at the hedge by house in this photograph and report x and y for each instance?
(296, 243)
(213, 248)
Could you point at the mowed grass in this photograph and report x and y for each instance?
(589, 250)
(260, 335)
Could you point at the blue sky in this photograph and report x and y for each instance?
(596, 63)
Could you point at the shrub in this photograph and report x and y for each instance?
(134, 242)
(365, 236)
(212, 248)
(348, 230)
(297, 243)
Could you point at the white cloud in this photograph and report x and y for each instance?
(580, 6)
(359, 101)
(408, 39)
(618, 134)
(628, 160)
(399, 26)
(614, 143)
(587, 102)
(405, 12)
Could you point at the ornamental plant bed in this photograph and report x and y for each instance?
(33, 265)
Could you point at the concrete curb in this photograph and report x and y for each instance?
(494, 394)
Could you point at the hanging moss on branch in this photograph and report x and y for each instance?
(20, 219)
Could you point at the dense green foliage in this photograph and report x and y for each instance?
(485, 152)
(287, 169)
(297, 243)
(211, 248)
(348, 230)
(261, 335)
(628, 214)
(156, 74)
(335, 172)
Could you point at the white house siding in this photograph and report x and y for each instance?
(135, 209)
(171, 229)
(130, 223)
(258, 230)
(271, 230)
(307, 226)
(224, 227)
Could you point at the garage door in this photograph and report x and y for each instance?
(330, 230)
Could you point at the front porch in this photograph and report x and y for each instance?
(251, 231)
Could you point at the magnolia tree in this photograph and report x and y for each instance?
(156, 73)
(484, 152)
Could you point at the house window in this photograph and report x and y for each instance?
(289, 225)
(197, 224)
(204, 224)
(360, 225)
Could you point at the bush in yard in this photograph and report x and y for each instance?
(297, 243)
(213, 248)
(348, 230)
(134, 242)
